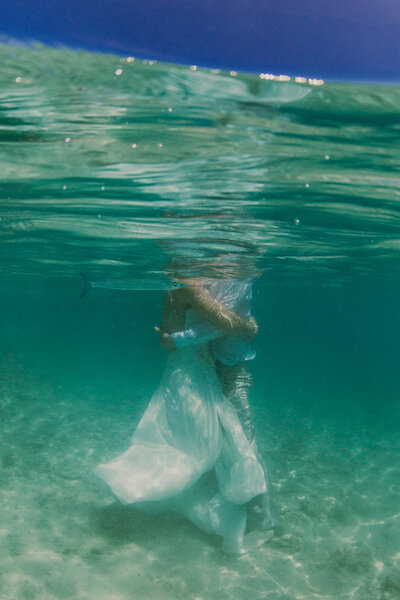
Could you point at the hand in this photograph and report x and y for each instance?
(165, 339)
(251, 329)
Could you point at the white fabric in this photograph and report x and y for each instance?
(230, 350)
(189, 453)
(201, 333)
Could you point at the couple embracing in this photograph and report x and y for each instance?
(194, 450)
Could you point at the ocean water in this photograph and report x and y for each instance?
(127, 169)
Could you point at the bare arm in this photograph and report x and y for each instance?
(173, 312)
(216, 313)
(173, 318)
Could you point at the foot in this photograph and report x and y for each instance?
(256, 539)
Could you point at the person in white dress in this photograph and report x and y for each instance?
(190, 453)
(232, 354)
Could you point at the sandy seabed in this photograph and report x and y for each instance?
(335, 493)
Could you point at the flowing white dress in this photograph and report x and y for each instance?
(189, 453)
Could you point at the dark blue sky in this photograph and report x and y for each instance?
(346, 39)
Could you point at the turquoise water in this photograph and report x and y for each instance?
(126, 169)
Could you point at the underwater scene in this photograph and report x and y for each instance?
(143, 176)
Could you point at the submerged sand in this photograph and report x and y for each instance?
(335, 491)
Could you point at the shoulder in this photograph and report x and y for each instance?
(190, 293)
(195, 292)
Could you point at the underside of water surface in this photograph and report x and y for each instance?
(134, 171)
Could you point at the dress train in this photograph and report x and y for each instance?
(189, 453)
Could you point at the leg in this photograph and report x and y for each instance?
(236, 381)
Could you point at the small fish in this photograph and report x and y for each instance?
(132, 284)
